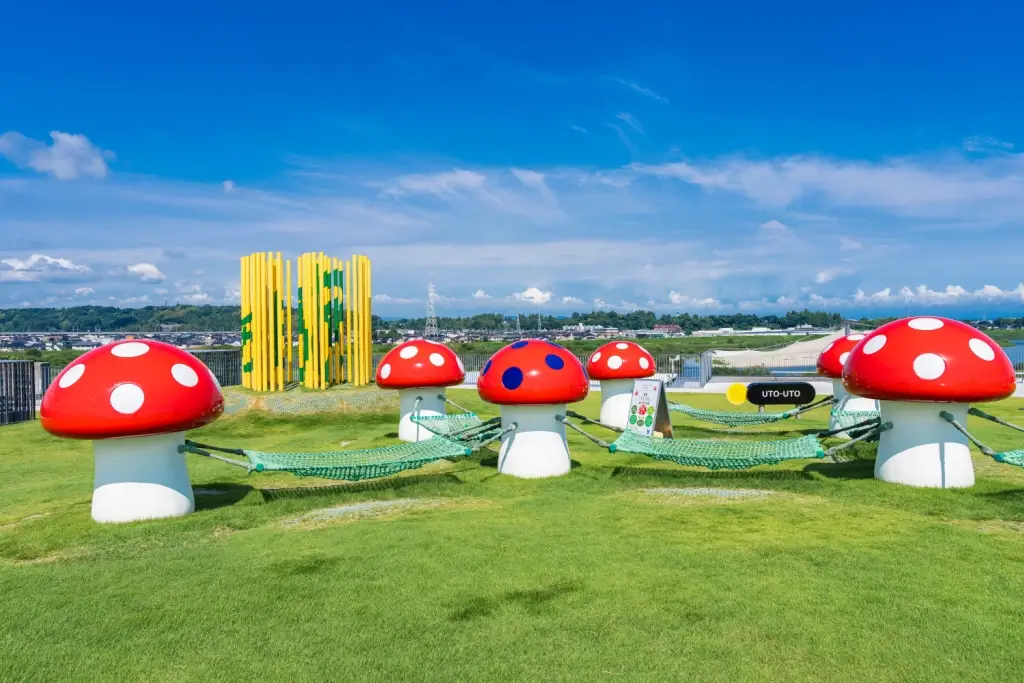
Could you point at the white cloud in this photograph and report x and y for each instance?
(774, 227)
(147, 272)
(481, 294)
(533, 295)
(443, 184)
(948, 188)
(636, 87)
(986, 143)
(534, 180)
(631, 121)
(949, 296)
(39, 268)
(69, 157)
(684, 301)
(579, 129)
(84, 291)
(572, 301)
(847, 244)
(229, 186)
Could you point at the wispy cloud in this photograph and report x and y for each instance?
(40, 268)
(636, 87)
(986, 143)
(68, 157)
(579, 129)
(631, 121)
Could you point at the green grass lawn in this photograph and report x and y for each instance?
(833, 577)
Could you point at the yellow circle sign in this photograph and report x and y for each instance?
(736, 394)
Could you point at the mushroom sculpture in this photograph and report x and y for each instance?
(533, 380)
(616, 365)
(135, 400)
(420, 370)
(830, 364)
(918, 368)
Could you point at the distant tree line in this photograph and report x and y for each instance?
(200, 318)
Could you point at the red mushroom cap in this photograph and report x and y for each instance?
(621, 360)
(833, 357)
(533, 372)
(131, 388)
(419, 363)
(929, 359)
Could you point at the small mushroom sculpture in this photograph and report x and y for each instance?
(420, 370)
(918, 368)
(533, 380)
(135, 400)
(616, 364)
(830, 364)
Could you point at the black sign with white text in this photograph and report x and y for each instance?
(780, 393)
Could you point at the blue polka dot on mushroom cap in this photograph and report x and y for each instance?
(520, 344)
(512, 378)
(487, 366)
(554, 362)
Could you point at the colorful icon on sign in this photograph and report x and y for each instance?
(632, 419)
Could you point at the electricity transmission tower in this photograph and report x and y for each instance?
(519, 330)
(431, 328)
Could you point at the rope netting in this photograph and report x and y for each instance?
(715, 454)
(356, 465)
(730, 419)
(849, 418)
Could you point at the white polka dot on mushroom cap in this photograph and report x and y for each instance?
(622, 345)
(875, 344)
(982, 349)
(127, 398)
(830, 345)
(71, 375)
(385, 371)
(214, 378)
(644, 363)
(855, 337)
(929, 366)
(614, 362)
(843, 357)
(409, 351)
(925, 324)
(184, 375)
(130, 350)
(461, 366)
(436, 359)
(596, 357)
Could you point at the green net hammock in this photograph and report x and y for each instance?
(730, 419)
(715, 454)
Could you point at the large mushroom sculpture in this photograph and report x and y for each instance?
(830, 364)
(533, 380)
(616, 364)
(134, 400)
(918, 368)
(420, 370)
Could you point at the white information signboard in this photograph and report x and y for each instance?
(648, 410)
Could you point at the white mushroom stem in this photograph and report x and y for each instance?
(141, 477)
(922, 449)
(616, 396)
(431, 404)
(536, 447)
(847, 402)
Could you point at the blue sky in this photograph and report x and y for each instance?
(750, 157)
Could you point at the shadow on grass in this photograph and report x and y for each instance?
(219, 494)
(709, 475)
(392, 484)
(1012, 495)
(860, 468)
(532, 599)
(491, 462)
